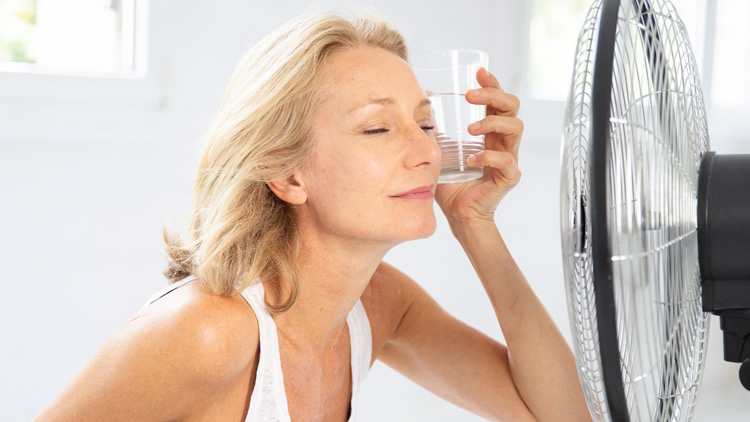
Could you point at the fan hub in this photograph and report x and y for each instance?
(724, 228)
(724, 247)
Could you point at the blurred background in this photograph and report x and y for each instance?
(103, 108)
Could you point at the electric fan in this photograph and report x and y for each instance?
(655, 227)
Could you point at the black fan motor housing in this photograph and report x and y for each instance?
(724, 250)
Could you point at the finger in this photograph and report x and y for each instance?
(511, 129)
(503, 125)
(498, 102)
(505, 106)
(485, 78)
(502, 161)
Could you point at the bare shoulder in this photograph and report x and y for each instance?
(387, 299)
(389, 291)
(177, 357)
(390, 283)
(215, 335)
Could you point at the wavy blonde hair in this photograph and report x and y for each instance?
(239, 231)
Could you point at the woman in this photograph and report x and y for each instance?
(320, 160)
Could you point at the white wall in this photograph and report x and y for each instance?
(91, 170)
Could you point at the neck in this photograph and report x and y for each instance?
(333, 273)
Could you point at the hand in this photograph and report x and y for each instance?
(478, 199)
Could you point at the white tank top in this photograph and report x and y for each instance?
(268, 402)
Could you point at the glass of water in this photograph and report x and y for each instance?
(446, 75)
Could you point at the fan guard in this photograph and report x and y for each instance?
(629, 217)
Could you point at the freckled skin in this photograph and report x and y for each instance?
(353, 175)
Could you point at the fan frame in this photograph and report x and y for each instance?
(606, 311)
(723, 226)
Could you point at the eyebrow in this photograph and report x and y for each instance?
(386, 101)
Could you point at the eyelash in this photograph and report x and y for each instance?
(384, 130)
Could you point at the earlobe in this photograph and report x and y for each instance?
(289, 190)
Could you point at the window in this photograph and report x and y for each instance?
(17, 24)
(722, 50)
(80, 37)
(553, 35)
(72, 64)
(731, 55)
(718, 34)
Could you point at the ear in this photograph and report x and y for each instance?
(290, 190)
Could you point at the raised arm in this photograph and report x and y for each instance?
(448, 357)
(535, 376)
(541, 363)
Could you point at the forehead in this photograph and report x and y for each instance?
(359, 75)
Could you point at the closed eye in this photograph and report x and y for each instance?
(384, 130)
(427, 124)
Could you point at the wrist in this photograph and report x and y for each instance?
(463, 227)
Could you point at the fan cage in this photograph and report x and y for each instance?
(658, 133)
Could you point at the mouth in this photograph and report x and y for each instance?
(423, 192)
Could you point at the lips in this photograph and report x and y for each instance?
(424, 192)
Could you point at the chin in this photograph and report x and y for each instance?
(425, 228)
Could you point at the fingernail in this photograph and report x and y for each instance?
(474, 92)
(486, 72)
(471, 159)
(475, 126)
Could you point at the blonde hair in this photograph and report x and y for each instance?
(240, 232)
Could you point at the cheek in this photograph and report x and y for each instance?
(353, 176)
(341, 183)
(352, 170)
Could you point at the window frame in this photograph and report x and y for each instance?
(26, 84)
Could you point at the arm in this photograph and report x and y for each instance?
(175, 360)
(449, 358)
(541, 363)
(535, 377)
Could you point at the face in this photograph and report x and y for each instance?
(375, 162)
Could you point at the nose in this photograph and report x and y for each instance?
(424, 152)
